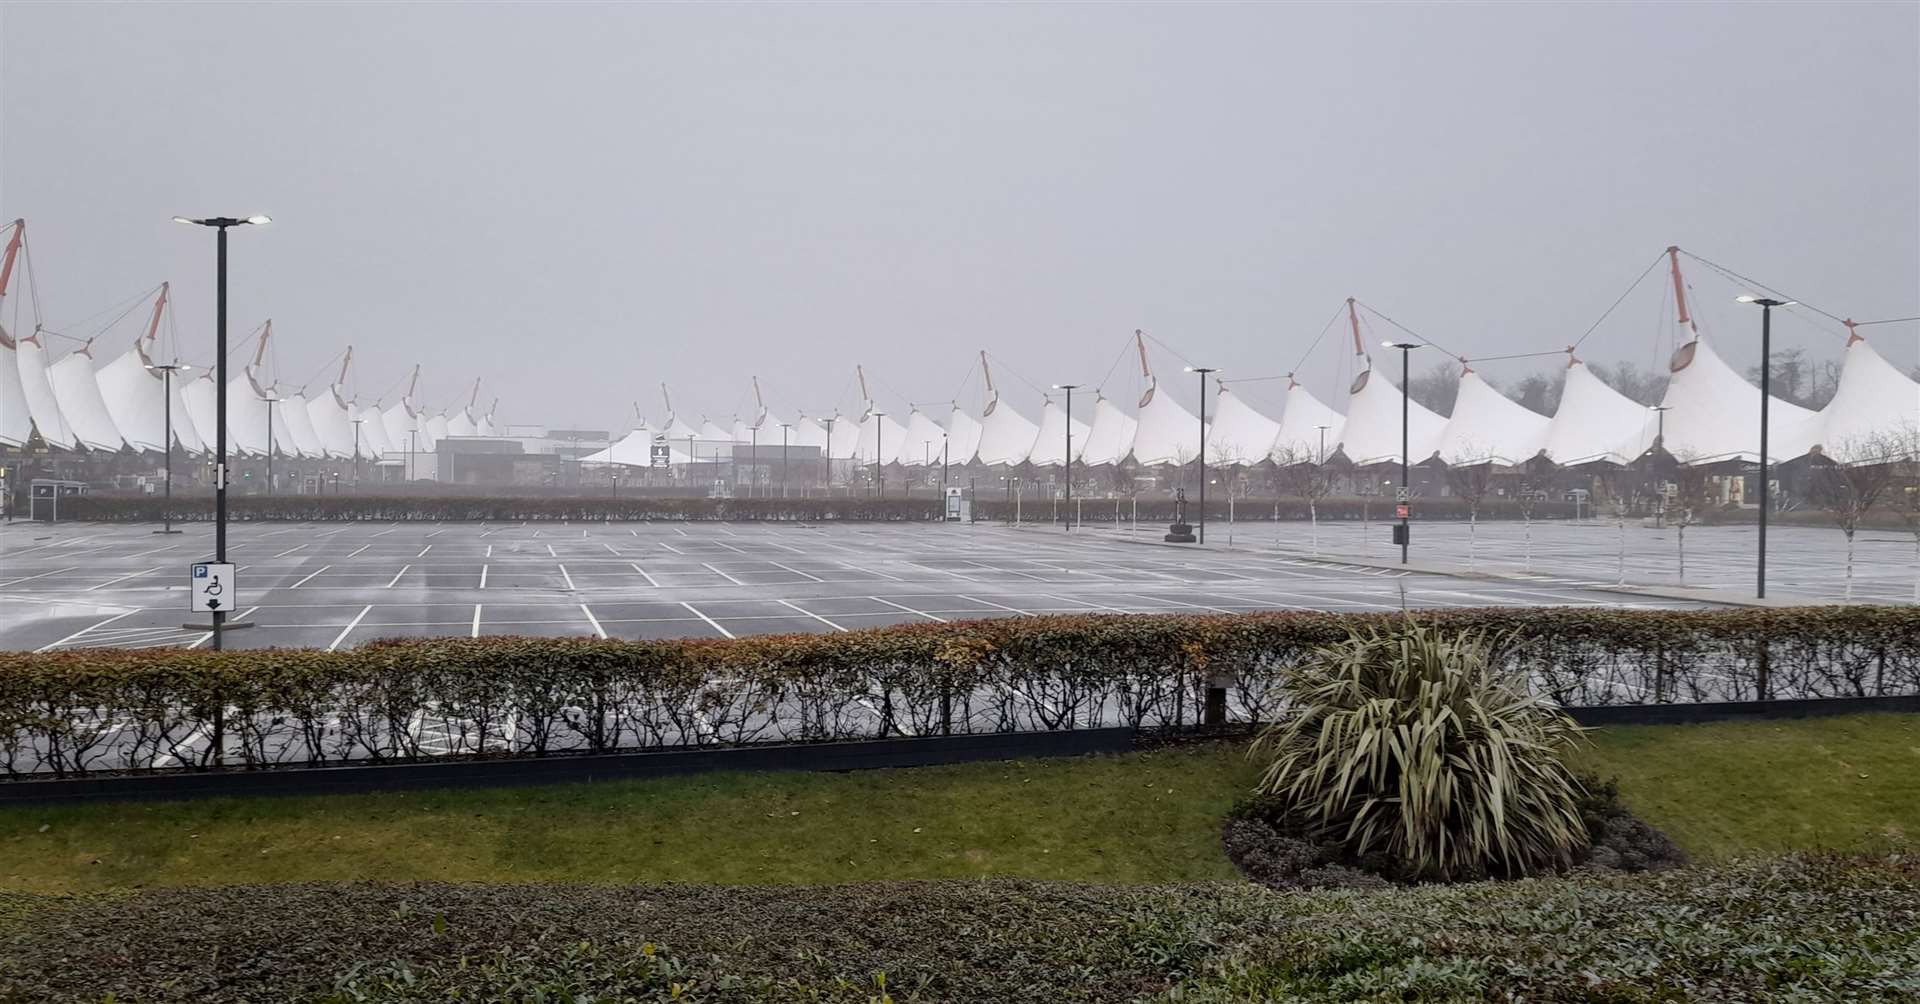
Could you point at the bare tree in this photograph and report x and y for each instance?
(1610, 491)
(1644, 386)
(1850, 479)
(1301, 474)
(1527, 495)
(1470, 477)
(1692, 499)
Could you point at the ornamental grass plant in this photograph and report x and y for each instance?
(1411, 740)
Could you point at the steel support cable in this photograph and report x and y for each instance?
(125, 307)
(1017, 375)
(1170, 349)
(1595, 326)
(1317, 339)
(1888, 320)
(1424, 339)
(1122, 354)
(1756, 284)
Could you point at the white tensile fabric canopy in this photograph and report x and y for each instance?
(432, 431)
(300, 431)
(79, 395)
(1487, 426)
(16, 423)
(742, 431)
(373, 432)
(1309, 430)
(807, 432)
(247, 418)
(1006, 437)
(1050, 442)
(1713, 413)
(843, 436)
(711, 433)
(635, 449)
(484, 427)
(461, 424)
(1110, 437)
(882, 432)
(1372, 432)
(1874, 411)
(963, 436)
(327, 413)
(136, 399)
(185, 432)
(679, 431)
(1238, 434)
(1594, 422)
(402, 426)
(199, 396)
(1168, 433)
(925, 441)
(31, 357)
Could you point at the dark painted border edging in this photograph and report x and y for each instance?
(1730, 711)
(503, 772)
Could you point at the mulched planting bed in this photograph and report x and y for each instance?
(1807, 928)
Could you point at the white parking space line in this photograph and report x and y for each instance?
(436, 533)
(809, 613)
(644, 575)
(290, 550)
(595, 621)
(91, 627)
(475, 632)
(382, 533)
(1091, 603)
(722, 574)
(423, 551)
(570, 586)
(29, 578)
(309, 576)
(550, 552)
(672, 548)
(724, 633)
(123, 578)
(396, 575)
(908, 609)
(871, 571)
(357, 550)
(609, 547)
(345, 631)
(483, 575)
(796, 571)
(1002, 606)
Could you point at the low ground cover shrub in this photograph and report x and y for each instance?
(73, 712)
(1795, 930)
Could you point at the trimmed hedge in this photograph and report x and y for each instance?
(72, 712)
(1802, 929)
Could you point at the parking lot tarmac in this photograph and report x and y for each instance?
(335, 585)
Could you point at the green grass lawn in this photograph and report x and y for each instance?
(1720, 791)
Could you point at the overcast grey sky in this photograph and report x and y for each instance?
(578, 202)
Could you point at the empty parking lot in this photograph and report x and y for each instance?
(337, 585)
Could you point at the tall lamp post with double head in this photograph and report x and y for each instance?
(1404, 504)
(785, 428)
(220, 224)
(356, 455)
(879, 487)
(1766, 394)
(166, 371)
(1203, 371)
(271, 400)
(826, 456)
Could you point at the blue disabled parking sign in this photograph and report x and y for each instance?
(211, 587)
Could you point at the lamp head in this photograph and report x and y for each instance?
(1764, 302)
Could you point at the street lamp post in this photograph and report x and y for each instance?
(356, 455)
(879, 486)
(826, 454)
(1323, 443)
(1203, 371)
(271, 401)
(220, 225)
(1766, 393)
(166, 371)
(785, 427)
(1067, 464)
(1405, 503)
